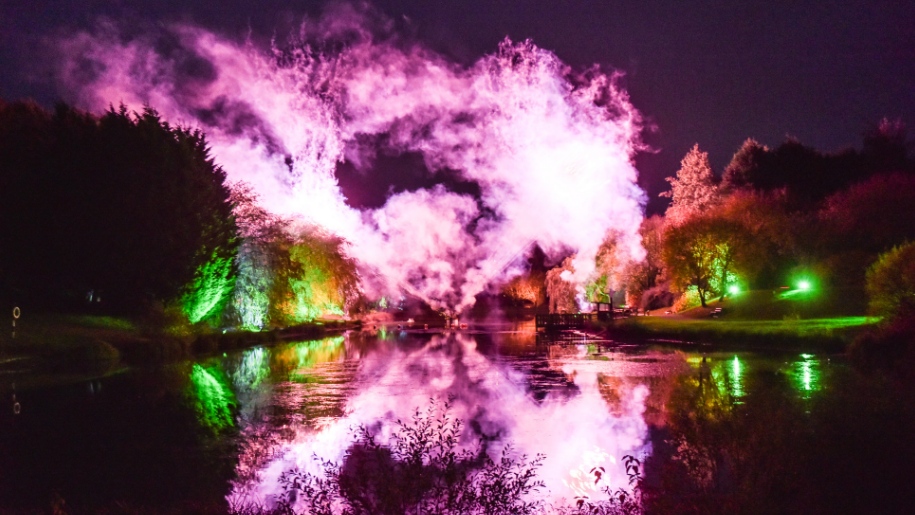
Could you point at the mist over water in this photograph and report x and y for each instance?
(548, 147)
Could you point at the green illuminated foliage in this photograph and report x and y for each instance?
(319, 279)
(608, 271)
(701, 253)
(253, 369)
(206, 297)
(288, 275)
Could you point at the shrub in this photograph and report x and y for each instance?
(422, 470)
(891, 283)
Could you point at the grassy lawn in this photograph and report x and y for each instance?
(784, 319)
(832, 333)
(795, 328)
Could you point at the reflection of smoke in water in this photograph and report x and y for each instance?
(549, 148)
(575, 432)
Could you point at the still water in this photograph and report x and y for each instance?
(220, 431)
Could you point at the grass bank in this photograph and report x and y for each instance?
(50, 347)
(778, 319)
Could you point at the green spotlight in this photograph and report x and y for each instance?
(803, 284)
(733, 289)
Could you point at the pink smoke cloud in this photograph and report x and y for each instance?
(550, 148)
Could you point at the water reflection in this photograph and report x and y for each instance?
(807, 374)
(228, 426)
(213, 399)
(583, 405)
(495, 398)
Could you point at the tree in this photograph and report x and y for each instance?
(694, 189)
(702, 253)
(123, 207)
(768, 236)
(873, 215)
(891, 283)
(288, 274)
(745, 165)
(645, 275)
(887, 147)
(607, 276)
(560, 290)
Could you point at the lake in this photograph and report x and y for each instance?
(220, 431)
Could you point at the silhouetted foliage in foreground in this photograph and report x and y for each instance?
(424, 470)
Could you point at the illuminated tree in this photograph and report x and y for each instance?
(286, 274)
(607, 271)
(560, 290)
(530, 286)
(891, 283)
(526, 288)
(768, 238)
(320, 279)
(694, 190)
(702, 253)
(645, 275)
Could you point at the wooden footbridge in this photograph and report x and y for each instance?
(563, 321)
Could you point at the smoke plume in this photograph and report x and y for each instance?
(549, 147)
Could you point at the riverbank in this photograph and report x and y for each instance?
(833, 334)
(787, 319)
(51, 347)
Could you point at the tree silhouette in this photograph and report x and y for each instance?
(124, 208)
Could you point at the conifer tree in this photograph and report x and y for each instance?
(694, 190)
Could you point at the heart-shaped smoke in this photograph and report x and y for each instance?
(549, 148)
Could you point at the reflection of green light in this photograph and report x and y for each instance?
(807, 374)
(312, 352)
(213, 400)
(736, 386)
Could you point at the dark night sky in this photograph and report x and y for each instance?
(708, 71)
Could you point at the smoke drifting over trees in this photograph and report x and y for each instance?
(548, 148)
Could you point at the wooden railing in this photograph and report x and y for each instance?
(559, 321)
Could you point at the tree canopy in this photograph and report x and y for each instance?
(123, 208)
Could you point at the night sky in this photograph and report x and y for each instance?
(708, 72)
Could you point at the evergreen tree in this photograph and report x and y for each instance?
(124, 208)
(745, 165)
(694, 190)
